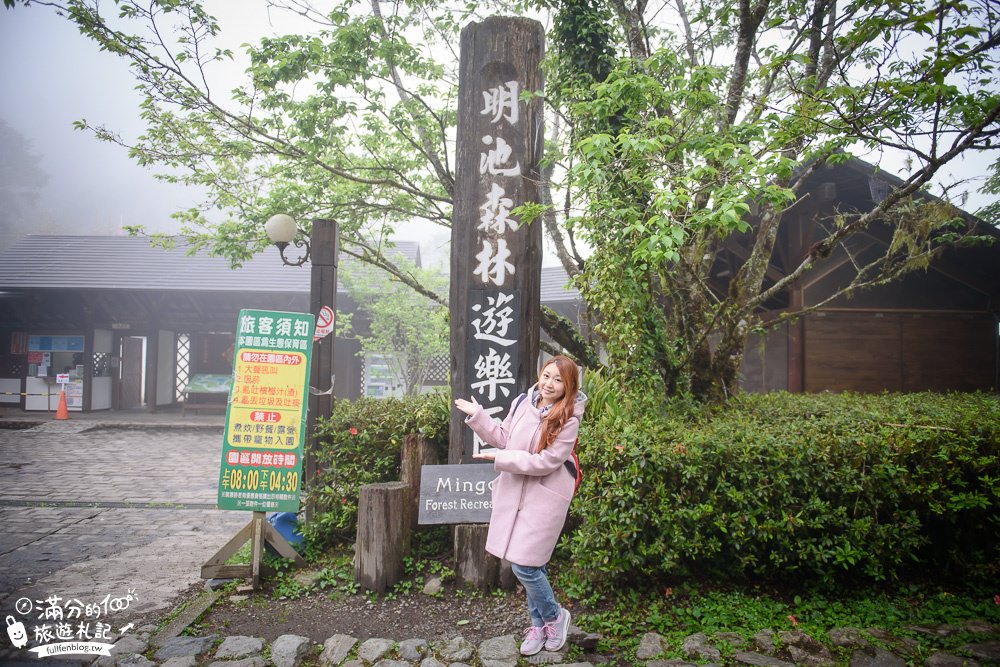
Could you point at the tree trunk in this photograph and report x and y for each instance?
(473, 565)
(383, 535)
(417, 452)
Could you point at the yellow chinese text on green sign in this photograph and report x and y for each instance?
(266, 416)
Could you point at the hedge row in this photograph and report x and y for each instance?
(826, 486)
(360, 444)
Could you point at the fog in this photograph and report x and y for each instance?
(57, 180)
(64, 181)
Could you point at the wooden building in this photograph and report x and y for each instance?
(933, 330)
(132, 324)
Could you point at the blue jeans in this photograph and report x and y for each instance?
(542, 605)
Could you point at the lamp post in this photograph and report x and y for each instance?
(282, 230)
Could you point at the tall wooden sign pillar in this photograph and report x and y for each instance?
(495, 259)
(324, 250)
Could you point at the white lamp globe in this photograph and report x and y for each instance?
(281, 228)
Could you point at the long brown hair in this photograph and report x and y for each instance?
(560, 413)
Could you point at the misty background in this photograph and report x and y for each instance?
(57, 180)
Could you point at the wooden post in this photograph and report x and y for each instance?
(473, 566)
(495, 259)
(417, 452)
(258, 531)
(256, 546)
(508, 581)
(322, 292)
(383, 535)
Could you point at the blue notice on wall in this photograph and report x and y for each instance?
(55, 343)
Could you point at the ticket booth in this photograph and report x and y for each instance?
(55, 364)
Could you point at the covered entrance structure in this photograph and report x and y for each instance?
(142, 322)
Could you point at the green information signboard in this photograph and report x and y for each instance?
(266, 415)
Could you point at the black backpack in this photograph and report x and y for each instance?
(572, 463)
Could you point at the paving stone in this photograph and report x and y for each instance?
(759, 660)
(413, 650)
(124, 646)
(942, 659)
(499, 652)
(904, 645)
(187, 661)
(178, 647)
(979, 627)
(577, 664)
(372, 650)
(932, 630)
(433, 586)
(252, 661)
(804, 650)
(135, 660)
(545, 658)
(335, 649)
(430, 662)
(847, 637)
(874, 656)
(764, 641)
(289, 650)
(585, 640)
(734, 639)
(650, 646)
(459, 664)
(392, 663)
(239, 646)
(697, 646)
(676, 662)
(985, 652)
(216, 584)
(353, 663)
(455, 650)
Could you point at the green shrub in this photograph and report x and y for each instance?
(360, 444)
(819, 486)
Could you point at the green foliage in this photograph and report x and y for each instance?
(360, 444)
(675, 150)
(822, 487)
(685, 608)
(991, 212)
(408, 329)
(676, 129)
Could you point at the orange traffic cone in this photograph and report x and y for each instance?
(62, 412)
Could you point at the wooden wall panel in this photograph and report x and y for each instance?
(871, 352)
(942, 354)
(852, 352)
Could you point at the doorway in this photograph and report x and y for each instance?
(132, 372)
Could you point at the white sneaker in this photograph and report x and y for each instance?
(555, 631)
(534, 640)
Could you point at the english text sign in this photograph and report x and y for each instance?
(456, 493)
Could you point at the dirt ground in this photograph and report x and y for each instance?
(473, 615)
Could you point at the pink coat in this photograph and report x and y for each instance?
(532, 494)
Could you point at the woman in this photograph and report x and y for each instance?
(532, 494)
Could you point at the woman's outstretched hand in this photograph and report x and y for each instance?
(467, 407)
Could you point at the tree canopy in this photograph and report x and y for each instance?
(672, 127)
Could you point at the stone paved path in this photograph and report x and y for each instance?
(102, 511)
